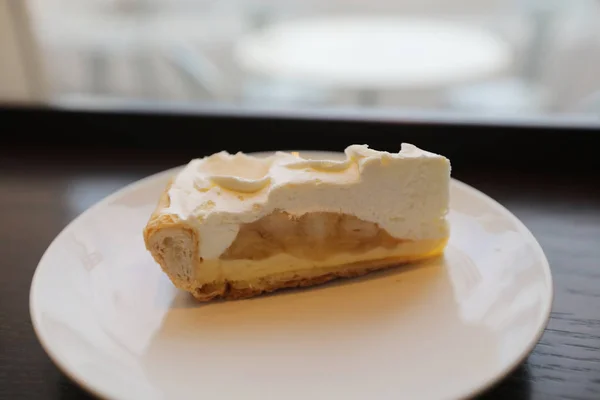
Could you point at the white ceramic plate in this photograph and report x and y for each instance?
(443, 329)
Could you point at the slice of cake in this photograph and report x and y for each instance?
(235, 226)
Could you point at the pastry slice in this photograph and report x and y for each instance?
(236, 226)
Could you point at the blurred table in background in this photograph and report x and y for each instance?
(370, 55)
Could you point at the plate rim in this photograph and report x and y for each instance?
(479, 389)
(526, 352)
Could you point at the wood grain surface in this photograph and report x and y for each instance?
(38, 197)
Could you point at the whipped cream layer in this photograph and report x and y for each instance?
(405, 193)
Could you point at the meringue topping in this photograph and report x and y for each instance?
(404, 193)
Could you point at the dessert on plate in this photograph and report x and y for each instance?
(235, 226)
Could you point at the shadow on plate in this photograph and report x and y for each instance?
(349, 303)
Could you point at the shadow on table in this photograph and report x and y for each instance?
(516, 386)
(69, 390)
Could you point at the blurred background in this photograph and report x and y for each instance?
(475, 57)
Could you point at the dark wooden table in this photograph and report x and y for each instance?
(41, 195)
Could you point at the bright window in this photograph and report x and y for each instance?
(495, 57)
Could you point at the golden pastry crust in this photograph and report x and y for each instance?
(164, 223)
(231, 290)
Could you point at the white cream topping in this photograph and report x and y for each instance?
(405, 193)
